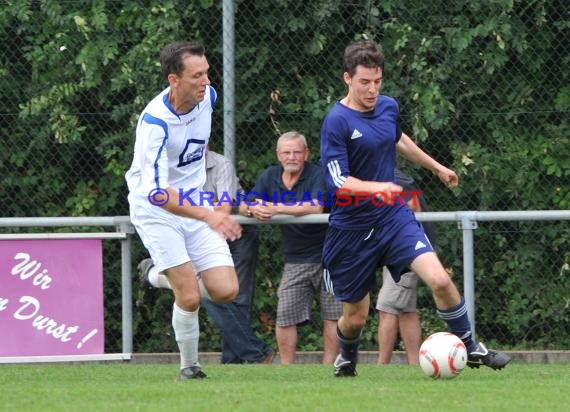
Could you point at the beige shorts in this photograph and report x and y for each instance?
(396, 298)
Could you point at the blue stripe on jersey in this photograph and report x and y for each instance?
(166, 102)
(161, 123)
(213, 97)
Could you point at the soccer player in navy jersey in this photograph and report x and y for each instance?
(359, 139)
(185, 240)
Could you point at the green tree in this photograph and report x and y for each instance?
(482, 85)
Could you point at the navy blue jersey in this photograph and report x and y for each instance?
(361, 145)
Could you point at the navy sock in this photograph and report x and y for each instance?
(458, 323)
(348, 346)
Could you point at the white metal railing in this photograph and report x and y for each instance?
(467, 221)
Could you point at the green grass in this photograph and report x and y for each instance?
(144, 387)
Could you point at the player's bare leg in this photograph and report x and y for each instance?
(221, 282)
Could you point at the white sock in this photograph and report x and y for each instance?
(187, 331)
(158, 279)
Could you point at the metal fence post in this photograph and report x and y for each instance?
(126, 288)
(467, 223)
(228, 28)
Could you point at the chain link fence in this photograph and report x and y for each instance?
(483, 87)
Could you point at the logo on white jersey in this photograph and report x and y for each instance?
(420, 245)
(356, 134)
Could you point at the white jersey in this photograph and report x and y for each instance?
(170, 149)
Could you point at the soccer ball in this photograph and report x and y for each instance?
(443, 356)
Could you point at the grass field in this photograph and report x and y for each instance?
(144, 387)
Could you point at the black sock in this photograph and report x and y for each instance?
(348, 346)
(458, 323)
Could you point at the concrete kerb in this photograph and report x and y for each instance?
(365, 357)
(545, 357)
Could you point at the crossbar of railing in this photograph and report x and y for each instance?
(466, 221)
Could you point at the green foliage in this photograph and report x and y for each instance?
(491, 177)
(483, 85)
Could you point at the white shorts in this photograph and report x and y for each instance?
(173, 240)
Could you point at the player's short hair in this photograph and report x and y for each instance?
(362, 53)
(171, 56)
(292, 135)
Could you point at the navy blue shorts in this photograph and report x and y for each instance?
(351, 257)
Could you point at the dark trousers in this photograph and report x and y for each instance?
(240, 343)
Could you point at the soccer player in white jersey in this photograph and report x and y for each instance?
(186, 240)
(359, 139)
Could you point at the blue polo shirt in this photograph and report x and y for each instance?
(301, 243)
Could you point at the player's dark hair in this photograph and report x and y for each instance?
(362, 53)
(171, 56)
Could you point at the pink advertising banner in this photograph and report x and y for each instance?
(51, 297)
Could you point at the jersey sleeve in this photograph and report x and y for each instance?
(334, 152)
(213, 97)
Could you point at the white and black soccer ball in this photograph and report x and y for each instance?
(443, 355)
